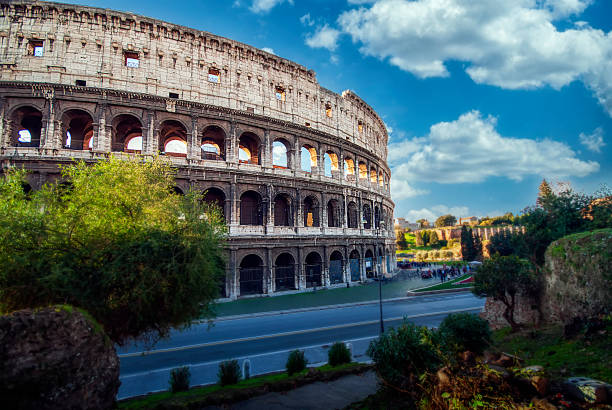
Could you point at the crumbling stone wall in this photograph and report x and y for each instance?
(56, 358)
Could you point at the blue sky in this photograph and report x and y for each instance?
(483, 98)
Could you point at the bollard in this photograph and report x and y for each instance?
(246, 369)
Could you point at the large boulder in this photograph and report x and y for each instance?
(56, 358)
(578, 276)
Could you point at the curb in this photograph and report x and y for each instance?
(441, 291)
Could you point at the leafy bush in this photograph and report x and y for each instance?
(179, 379)
(229, 372)
(296, 362)
(338, 354)
(403, 354)
(463, 331)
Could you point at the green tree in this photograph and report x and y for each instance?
(445, 220)
(423, 223)
(115, 241)
(544, 192)
(400, 240)
(477, 244)
(467, 244)
(433, 239)
(418, 238)
(502, 278)
(426, 237)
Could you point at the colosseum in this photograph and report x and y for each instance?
(299, 171)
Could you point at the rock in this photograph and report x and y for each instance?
(540, 383)
(468, 357)
(542, 404)
(533, 378)
(56, 358)
(444, 376)
(503, 361)
(499, 371)
(587, 390)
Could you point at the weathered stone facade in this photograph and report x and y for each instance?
(85, 82)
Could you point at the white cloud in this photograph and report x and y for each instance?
(268, 50)
(470, 150)
(594, 142)
(436, 211)
(401, 189)
(264, 6)
(334, 59)
(324, 37)
(306, 20)
(279, 154)
(510, 44)
(361, 1)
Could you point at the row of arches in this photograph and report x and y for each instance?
(252, 210)
(285, 274)
(127, 130)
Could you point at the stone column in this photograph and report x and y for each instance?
(150, 145)
(301, 282)
(362, 267)
(269, 222)
(233, 276)
(233, 217)
(266, 151)
(268, 272)
(231, 144)
(193, 150)
(325, 266)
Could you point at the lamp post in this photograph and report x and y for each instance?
(379, 271)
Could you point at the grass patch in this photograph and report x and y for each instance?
(449, 284)
(587, 357)
(242, 390)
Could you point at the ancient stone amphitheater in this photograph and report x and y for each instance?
(299, 171)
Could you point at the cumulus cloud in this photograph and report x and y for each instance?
(264, 6)
(401, 189)
(435, 212)
(268, 50)
(510, 44)
(279, 154)
(470, 150)
(594, 142)
(324, 37)
(306, 20)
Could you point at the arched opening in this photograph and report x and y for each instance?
(279, 154)
(178, 191)
(379, 261)
(251, 275)
(284, 272)
(333, 213)
(363, 170)
(349, 169)
(354, 266)
(353, 215)
(282, 211)
(127, 134)
(367, 216)
(376, 217)
(78, 130)
(308, 158)
(311, 211)
(248, 149)
(251, 209)
(373, 175)
(217, 197)
(313, 270)
(173, 139)
(331, 163)
(27, 125)
(381, 179)
(212, 145)
(369, 264)
(336, 268)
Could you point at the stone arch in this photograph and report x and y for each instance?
(336, 267)
(354, 269)
(26, 126)
(251, 208)
(363, 170)
(173, 138)
(280, 153)
(381, 179)
(284, 272)
(251, 275)
(308, 155)
(373, 175)
(352, 215)
(376, 217)
(282, 210)
(249, 147)
(333, 213)
(311, 211)
(313, 268)
(349, 169)
(369, 263)
(217, 197)
(77, 129)
(330, 160)
(212, 143)
(367, 216)
(126, 133)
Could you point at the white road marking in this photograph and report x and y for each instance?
(291, 333)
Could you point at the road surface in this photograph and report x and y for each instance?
(266, 340)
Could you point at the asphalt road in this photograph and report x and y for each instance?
(265, 341)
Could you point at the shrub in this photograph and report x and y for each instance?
(179, 379)
(404, 353)
(229, 372)
(463, 331)
(338, 354)
(296, 362)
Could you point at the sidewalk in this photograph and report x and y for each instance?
(336, 394)
(395, 288)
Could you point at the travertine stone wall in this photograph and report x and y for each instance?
(90, 44)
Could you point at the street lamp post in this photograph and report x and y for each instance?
(379, 271)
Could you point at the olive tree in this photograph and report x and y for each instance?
(116, 240)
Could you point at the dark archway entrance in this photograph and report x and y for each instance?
(313, 270)
(284, 272)
(251, 209)
(336, 266)
(311, 211)
(217, 197)
(369, 264)
(282, 211)
(251, 275)
(354, 266)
